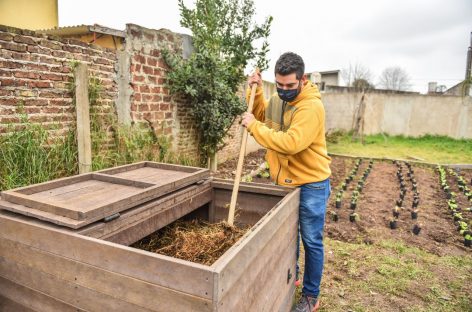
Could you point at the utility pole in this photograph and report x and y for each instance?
(468, 70)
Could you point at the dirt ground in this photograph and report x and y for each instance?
(438, 233)
(370, 267)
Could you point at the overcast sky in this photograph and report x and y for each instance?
(428, 38)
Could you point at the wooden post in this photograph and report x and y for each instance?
(242, 152)
(82, 106)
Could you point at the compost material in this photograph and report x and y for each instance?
(197, 240)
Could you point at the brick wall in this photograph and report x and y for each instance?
(34, 74)
(151, 100)
(35, 71)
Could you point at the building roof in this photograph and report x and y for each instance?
(81, 30)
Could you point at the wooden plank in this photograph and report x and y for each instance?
(32, 299)
(49, 185)
(258, 188)
(150, 267)
(62, 290)
(143, 211)
(7, 305)
(237, 260)
(41, 215)
(120, 288)
(82, 106)
(157, 165)
(251, 206)
(251, 293)
(138, 230)
(121, 181)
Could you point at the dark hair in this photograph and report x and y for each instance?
(289, 63)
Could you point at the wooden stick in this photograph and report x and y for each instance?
(237, 179)
(82, 106)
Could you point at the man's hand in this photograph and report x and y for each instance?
(255, 78)
(247, 119)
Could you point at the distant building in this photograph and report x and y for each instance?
(325, 78)
(459, 89)
(29, 14)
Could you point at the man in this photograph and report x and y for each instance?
(291, 126)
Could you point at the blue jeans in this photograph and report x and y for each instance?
(313, 201)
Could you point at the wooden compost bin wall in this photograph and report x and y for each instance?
(44, 267)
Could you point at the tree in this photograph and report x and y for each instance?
(394, 78)
(359, 74)
(224, 40)
(362, 84)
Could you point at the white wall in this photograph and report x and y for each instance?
(407, 114)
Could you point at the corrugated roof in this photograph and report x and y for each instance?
(81, 30)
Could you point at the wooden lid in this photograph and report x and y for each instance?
(80, 200)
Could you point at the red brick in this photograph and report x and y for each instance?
(35, 102)
(51, 45)
(169, 115)
(38, 118)
(50, 94)
(32, 110)
(22, 39)
(148, 70)
(147, 97)
(10, 64)
(33, 49)
(154, 107)
(139, 58)
(164, 107)
(39, 84)
(60, 102)
(9, 82)
(101, 60)
(72, 49)
(137, 97)
(168, 130)
(61, 54)
(29, 75)
(5, 37)
(54, 77)
(38, 67)
(6, 73)
(152, 79)
(158, 115)
(9, 119)
(137, 78)
(5, 92)
(143, 108)
(151, 61)
(144, 89)
(52, 110)
(49, 60)
(13, 46)
(9, 101)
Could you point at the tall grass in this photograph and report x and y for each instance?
(431, 148)
(31, 155)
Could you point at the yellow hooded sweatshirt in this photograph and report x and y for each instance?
(296, 145)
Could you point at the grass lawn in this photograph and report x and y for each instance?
(434, 149)
(391, 276)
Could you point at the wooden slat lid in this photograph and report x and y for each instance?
(80, 200)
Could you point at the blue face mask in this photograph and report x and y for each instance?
(288, 95)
